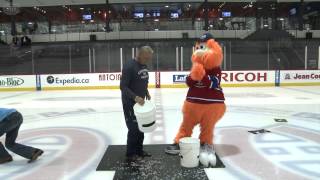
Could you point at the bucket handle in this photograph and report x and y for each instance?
(182, 156)
(148, 125)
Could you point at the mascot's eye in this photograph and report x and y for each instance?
(201, 47)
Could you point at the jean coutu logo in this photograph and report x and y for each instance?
(11, 81)
(287, 76)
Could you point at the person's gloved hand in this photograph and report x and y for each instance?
(148, 97)
(139, 100)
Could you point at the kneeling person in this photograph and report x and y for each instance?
(10, 122)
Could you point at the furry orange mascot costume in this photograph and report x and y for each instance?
(204, 104)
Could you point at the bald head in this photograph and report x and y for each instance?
(144, 54)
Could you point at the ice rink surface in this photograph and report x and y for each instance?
(74, 129)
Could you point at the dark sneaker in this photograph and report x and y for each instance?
(145, 154)
(5, 160)
(173, 149)
(133, 158)
(36, 154)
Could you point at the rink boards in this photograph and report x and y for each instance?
(156, 79)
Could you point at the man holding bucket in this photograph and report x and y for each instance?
(134, 89)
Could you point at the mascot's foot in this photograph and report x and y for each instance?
(212, 159)
(204, 159)
(173, 149)
(207, 155)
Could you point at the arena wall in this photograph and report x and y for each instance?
(156, 79)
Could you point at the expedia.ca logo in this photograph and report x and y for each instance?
(50, 79)
(11, 82)
(73, 80)
(179, 78)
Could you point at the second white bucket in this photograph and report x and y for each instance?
(145, 116)
(189, 152)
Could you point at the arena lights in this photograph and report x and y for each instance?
(221, 5)
(250, 5)
(166, 6)
(156, 20)
(81, 8)
(40, 10)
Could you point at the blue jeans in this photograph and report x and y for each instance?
(10, 126)
(134, 137)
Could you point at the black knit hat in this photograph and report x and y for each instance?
(205, 37)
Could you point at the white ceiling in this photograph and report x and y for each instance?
(30, 3)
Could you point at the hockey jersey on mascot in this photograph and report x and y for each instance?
(204, 104)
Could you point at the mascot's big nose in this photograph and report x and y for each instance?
(197, 72)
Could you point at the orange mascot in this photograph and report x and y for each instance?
(204, 104)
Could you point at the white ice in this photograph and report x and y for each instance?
(81, 124)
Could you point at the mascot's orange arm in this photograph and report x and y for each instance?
(204, 82)
(213, 58)
(197, 72)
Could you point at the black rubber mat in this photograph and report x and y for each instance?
(259, 131)
(280, 120)
(159, 166)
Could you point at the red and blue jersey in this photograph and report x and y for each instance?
(208, 90)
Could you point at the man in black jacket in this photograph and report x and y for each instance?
(134, 89)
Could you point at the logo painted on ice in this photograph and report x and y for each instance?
(292, 152)
(11, 82)
(63, 153)
(179, 78)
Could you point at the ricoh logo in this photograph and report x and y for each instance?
(11, 82)
(179, 78)
(244, 77)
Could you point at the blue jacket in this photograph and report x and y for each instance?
(4, 113)
(134, 81)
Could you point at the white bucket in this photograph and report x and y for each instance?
(145, 116)
(189, 152)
